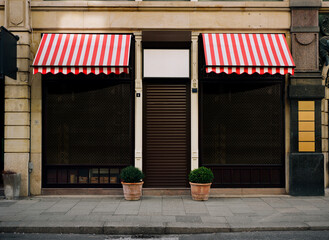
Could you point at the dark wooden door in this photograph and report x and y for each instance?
(166, 128)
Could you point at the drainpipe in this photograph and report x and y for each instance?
(30, 165)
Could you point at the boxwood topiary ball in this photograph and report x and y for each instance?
(201, 175)
(131, 175)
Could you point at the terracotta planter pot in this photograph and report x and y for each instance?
(132, 191)
(200, 191)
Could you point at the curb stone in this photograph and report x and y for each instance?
(158, 230)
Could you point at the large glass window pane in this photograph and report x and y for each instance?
(242, 123)
(88, 122)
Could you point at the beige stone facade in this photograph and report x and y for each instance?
(30, 19)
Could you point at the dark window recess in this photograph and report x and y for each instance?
(88, 129)
(242, 133)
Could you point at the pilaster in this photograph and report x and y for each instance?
(138, 101)
(17, 95)
(306, 91)
(194, 103)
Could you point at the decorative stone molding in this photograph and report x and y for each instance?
(305, 51)
(306, 3)
(305, 39)
(17, 15)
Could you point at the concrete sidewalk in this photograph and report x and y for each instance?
(162, 215)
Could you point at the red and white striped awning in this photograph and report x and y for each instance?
(247, 53)
(83, 53)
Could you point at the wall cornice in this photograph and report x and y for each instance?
(160, 5)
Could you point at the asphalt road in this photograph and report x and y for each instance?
(289, 235)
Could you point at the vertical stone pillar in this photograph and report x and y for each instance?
(324, 117)
(194, 104)
(17, 95)
(138, 101)
(306, 168)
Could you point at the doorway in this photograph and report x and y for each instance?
(166, 133)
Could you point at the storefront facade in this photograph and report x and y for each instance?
(164, 102)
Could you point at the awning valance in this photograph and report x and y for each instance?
(83, 53)
(247, 53)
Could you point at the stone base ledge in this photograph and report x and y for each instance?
(214, 192)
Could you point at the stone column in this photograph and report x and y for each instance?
(17, 95)
(306, 172)
(324, 118)
(138, 101)
(194, 103)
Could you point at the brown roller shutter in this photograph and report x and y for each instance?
(166, 134)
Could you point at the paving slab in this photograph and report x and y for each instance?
(210, 219)
(163, 219)
(128, 208)
(133, 219)
(195, 208)
(5, 204)
(104, 207)
(188, 219)
(150, 206)
(220, 211)
(109, 218)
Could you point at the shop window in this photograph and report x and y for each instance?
(242, 123)
(306, 126)
(88, 129)
(242, 131)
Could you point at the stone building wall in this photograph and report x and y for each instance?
(134, 17)
(23, 98)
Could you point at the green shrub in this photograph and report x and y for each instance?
(201, 175)
(131, 175)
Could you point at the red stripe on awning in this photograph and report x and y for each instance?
(83, 53)
(247, 53)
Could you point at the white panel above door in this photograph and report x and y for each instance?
(167, 63)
